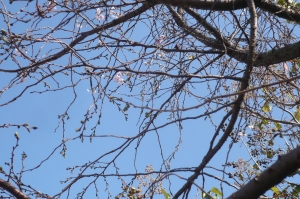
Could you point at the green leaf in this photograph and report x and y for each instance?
(6, 41)
(294, 69)
(267, 107)
(290, 96)
(255, 166)
(241, 177)
(270, 154)
(275, 190)
(285, 4)
(166, 195)
(205, 196)
(17, 135)
(3, 32)
(296, 191)
(297, 114)
(281, 2)
(190, 57)
(278, 125)
(271, 142)
(259, 126)
(263, 122)
(216, 191)
(265, 90)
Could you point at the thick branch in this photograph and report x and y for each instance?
(279, 55)
(208, 4)
(285, 166)
(12, 190)
(271, 57)
(223, 5)
(235, 111)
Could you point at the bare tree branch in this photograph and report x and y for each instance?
(13, 190)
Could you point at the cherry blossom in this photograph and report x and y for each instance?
(78, 24)
(52, 5)
(159, 40)
(114, 14)
(99, 16)
(93, 90)
(118, 78)
(162, 54)
(242, 134)
(18, 53)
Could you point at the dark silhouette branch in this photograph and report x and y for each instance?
(285, 166)
(12, 190)
(270, 57)
(266, 5)
(184, 190)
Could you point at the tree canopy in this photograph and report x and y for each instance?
(150, 99)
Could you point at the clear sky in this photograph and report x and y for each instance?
(45, 110)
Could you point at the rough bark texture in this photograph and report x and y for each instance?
(283, 167)
(12, 190)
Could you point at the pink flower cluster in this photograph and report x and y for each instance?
(112, 13)
(159, 40)
(118, 78)
(99, 16)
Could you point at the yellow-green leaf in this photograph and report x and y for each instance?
(263, 122)
(296, 191)
(6, 41)
(275, 190)
(281, 2)
(166, 195)
(271, 142)
(216, 191)
(267, 107)
(255, 166)
(297, 114)
(205, 196)
(241, 177)
(278, 125)
(17, 135)
(191, 57)
(270, 154)
(290, 96)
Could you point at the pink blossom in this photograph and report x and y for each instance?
(99, 16)
(118, 78)
(113, 13)
(52, 5)
(17, 52)
(159, 40)
(79, 26)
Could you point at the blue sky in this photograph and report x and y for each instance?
(42, 110)
(45, 111)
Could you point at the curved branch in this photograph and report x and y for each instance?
(266, 5)
(285, 166)
(271, 57)
(12, 190)
(84, 35)
(235, 110)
